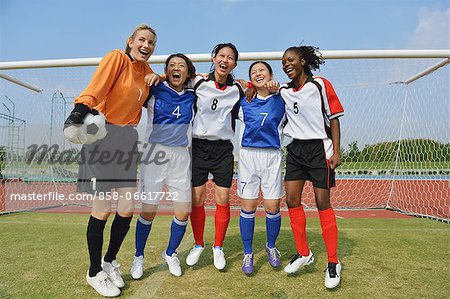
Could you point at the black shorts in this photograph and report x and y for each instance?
(306, 160)
(110, 162)
(215, 157)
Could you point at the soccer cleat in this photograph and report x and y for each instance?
(299, 261)
(219, 258)
(173, 262)
(247, 263)
(194, 255)
(102, 284)
(274, 256)
(332, 275)
(137, 269)
(113, 271)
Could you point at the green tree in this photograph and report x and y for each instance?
(353, 152)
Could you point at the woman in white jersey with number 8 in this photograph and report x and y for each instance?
(212, 151)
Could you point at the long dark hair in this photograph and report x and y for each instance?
(311, 55)
(256, 62)
(190, 65)
(216, 50)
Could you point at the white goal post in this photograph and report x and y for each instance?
(395, 136)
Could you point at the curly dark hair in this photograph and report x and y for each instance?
(312, 56)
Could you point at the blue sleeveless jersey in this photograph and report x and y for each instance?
(170, 115)
(262, 121)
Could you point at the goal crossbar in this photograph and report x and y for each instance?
(245, 56)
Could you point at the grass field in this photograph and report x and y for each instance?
(45, 256)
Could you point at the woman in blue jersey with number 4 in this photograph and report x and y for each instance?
(260, 162)
(169, 131)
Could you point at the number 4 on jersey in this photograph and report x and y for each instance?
(176, 112)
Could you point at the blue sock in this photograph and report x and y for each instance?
(177, 230)
(247, 227)
(273, 224)
(143, 228)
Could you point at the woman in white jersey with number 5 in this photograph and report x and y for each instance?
(260, 162)
(212, 151)
(312, 110)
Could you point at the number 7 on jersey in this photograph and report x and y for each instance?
(264, 117)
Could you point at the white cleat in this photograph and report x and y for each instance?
(332, 275)
(219, 258)
(194, 255)
(299, 261)
(113, 271)
(173, 262)
(137, 269)
(103, 285)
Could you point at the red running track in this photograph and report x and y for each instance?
(426, 197)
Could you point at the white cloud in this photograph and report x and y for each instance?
(432, 30)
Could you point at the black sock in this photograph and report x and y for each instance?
(119, 230)
(95, 241)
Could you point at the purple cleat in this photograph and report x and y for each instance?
(247, 263)
(274, 256)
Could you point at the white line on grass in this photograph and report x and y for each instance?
(156, 280)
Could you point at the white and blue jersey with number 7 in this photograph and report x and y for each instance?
(170, 115)
(262, 121)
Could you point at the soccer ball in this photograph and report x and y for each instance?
(95, 124)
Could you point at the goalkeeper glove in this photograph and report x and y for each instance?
(74, 130)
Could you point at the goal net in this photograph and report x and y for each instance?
(395, 131)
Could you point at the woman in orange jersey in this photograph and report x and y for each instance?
(108, 167)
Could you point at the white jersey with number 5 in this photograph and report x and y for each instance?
(310, 108)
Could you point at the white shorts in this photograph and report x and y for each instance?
(259, 166)
(173, 170)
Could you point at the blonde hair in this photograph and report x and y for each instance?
(136, 30)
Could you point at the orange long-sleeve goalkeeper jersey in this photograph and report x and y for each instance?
(117, 88)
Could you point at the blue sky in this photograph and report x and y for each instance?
(46, 29)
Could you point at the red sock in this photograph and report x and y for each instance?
(329, 233)
(198, 224)
(221, 221)
(298, 225)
